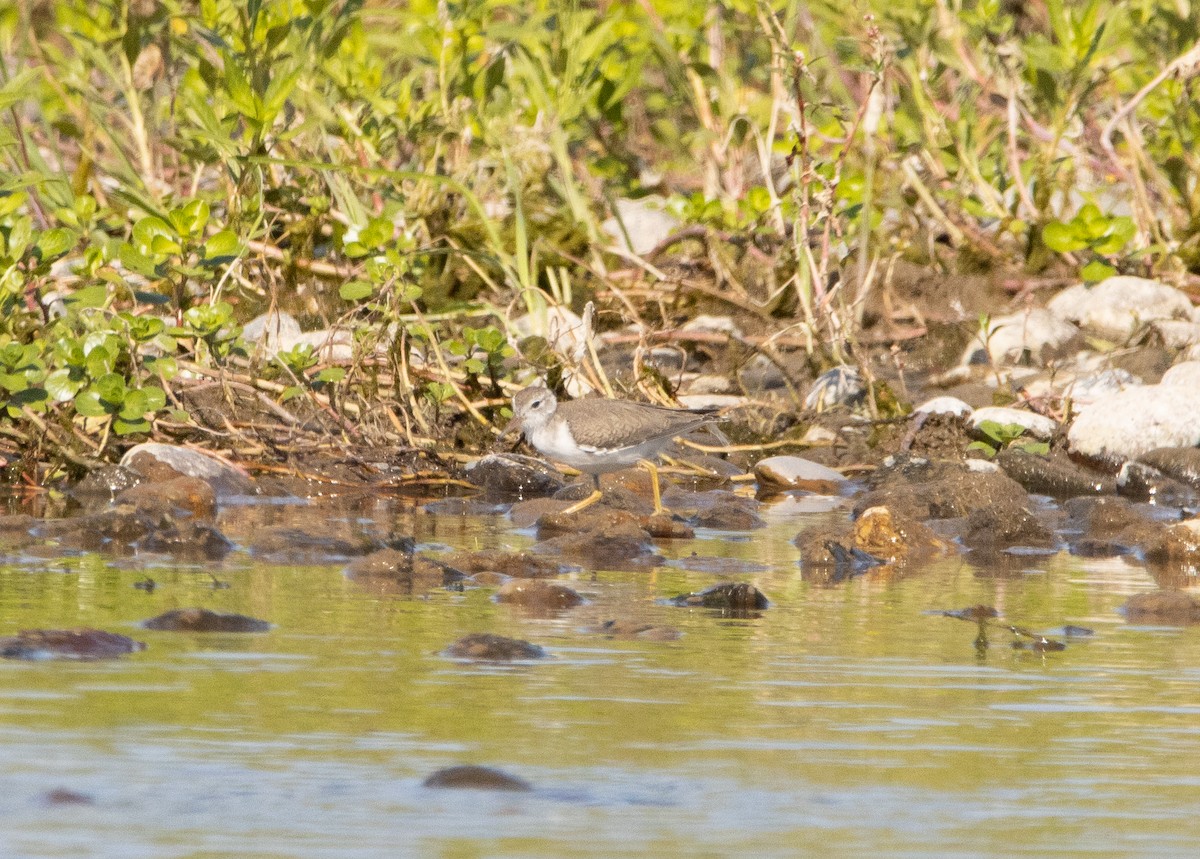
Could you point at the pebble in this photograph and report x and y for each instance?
(1037, 335)
(944, 406)
(794, 472)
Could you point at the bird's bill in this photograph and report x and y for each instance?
(514, 428)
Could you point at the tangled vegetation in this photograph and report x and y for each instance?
(421, 173)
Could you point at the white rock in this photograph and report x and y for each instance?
(711, 401)
(717, 324)
(982, 466)
(1177, 333)
(1127, 424)
(1038, 426)
(710, 384)
(1120, 306)
(328, 344)
(944, 406)
(1036, 331)
(273, 332)
(645, 224)
(794, 472)
(1186, 374)
(224, 478)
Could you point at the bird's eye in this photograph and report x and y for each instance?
(536, 404)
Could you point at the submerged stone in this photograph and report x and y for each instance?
(82, 644)
(486, 647)
(1179, 463)
(190, 494)
(736, 515)
(730, 596)
(468, 777)
(205, 620)
(520, 565)
(1167, 607)
(632, 629)
(403, 572)
(538, 594)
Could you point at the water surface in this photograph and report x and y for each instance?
(843, 720)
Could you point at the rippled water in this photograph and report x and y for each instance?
(842, 721)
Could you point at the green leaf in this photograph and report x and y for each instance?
(166, 366)
(331, 375)
(124, 426)
(1062, 238)
(987, 449)
(136, 261)
(1096, 271)
(290, 392)
(88, 404)
(62, 385)
(356, 290)
(146, 230)
(111, 388)
(54, 243)
(223, 245)
(191, 218)
(134, 405)
(90, 296)
(156, 398)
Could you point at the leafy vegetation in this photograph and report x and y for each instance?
(421, 172)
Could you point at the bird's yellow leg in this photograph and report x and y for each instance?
(586, 502)
(650, 467)
(590, 500)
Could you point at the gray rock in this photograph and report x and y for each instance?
(1120, 306)
(513, 475)
(1125, 425)
(841, 386)
(155, 461)
(1186, 374)
(273, 332)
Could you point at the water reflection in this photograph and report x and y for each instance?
(844, 720)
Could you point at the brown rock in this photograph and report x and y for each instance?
(190, 494)
(83, 644)
(538, 594)
(204, 620)
(487, 647)
(517, 564)
(1168, 607)
(730, 596)
(402, 572)
(893, 538)
(475, 778)
(631, 629)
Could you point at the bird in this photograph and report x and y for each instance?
(598, 436)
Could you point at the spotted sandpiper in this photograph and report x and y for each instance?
(598, 436)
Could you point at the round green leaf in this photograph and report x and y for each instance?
(356, 290)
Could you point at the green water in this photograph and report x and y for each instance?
(843, 721)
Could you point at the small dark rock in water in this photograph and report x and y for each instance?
(604, 537)
(629, 629)
(536, 593)
(203, 620)
(187, 539)
(1143, 483)
(729, 516)
(850, 562)
(1180, 463)
(731, 596)
(1077, 631)
(493, 648)
(475, 778)
(1169, 607)
(1038, 644)
(37, 644)
(147, 584)
(520, 565)
(1058, 478)
(512, 476)
(105, 482)
(398, 571)
(336, 541)
(63, 796)
(662, 526)
(974, 614)
(190, 494)
(1003, 523)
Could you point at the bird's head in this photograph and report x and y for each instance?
(532, 408)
